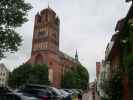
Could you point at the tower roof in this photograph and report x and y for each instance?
(76, 55)
(48, 9)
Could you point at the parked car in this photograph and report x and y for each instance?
(16, 96)
(42, 94)
(74, 96)
(80, 93)
(42, 91)
(57, 93)
(4, 90)
(66, 95)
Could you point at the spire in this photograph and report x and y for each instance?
(37, 13)
(48, 5)
(76, 56)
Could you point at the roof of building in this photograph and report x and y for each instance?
(121, 23)
(65, 56)
(3, 66)
(130, 12)
(49, 10)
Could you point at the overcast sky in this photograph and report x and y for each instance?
(85, 25)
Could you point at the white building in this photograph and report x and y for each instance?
(103, 75)
(4, 73)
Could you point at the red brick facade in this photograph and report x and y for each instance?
(98, 66)
(114, 59)
(45, 46)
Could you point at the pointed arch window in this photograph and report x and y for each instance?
(39, 59)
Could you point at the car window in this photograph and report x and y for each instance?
(56, 91)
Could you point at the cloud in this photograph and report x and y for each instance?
(85, 24)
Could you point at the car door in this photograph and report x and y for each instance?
(9, 97)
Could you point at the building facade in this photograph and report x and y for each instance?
(98, 67)
(45, 46)
(102, 77)
(115, 55)
(4, 74)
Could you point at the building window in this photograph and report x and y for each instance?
(51, 63)
(3, 74)
(39, 59)
(51, 75)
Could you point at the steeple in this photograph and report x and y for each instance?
(48, 4)
(76, 56)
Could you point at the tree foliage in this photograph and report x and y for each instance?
(13, 13)
(113, 87)
(29, 74)
(77, 77)
(128, 0)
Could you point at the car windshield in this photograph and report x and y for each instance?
(56, 91)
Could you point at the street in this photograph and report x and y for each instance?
(88, 96)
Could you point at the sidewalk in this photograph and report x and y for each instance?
(88, 96)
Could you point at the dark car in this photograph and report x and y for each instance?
(42, 91)
(78, 93)
(74, 95)
(42, 94)
(57, 93)
(16, 96)
(4, 90)
(66, 95)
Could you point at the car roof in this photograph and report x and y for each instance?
(36, 85)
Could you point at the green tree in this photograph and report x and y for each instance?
(113, 87)
(77, 77)
(19, 75)
(68, 80)
(13, 13)
(29, 74)
(39, 75)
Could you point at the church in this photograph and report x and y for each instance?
(45, 46)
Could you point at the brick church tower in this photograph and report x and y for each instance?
(46, 32)
(45, 46)
(45, 43)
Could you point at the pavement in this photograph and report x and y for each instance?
(88, 96)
